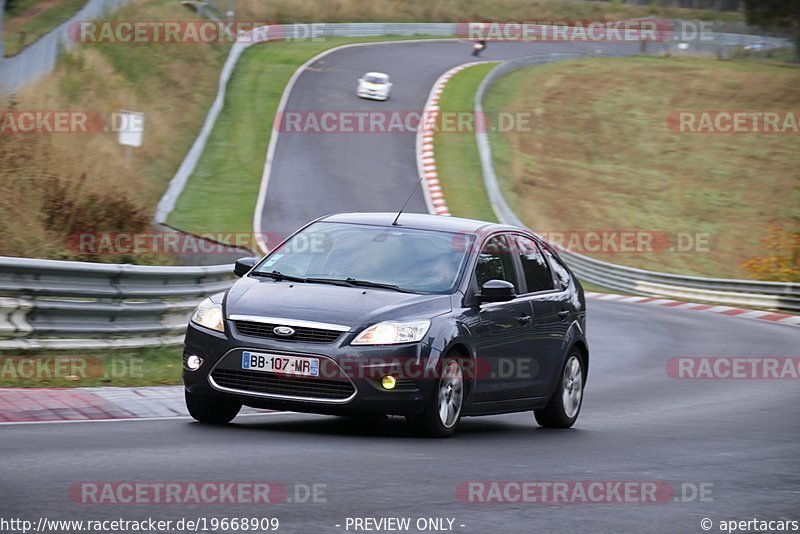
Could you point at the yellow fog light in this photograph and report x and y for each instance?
(388, 382)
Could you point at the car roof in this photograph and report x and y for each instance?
(378, 74)
(421, 221)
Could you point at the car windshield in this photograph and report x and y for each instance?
(374, 79)
(420, 261)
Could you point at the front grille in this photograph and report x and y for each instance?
(301, 333)
(293, 386)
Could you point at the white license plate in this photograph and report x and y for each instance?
(276, 363)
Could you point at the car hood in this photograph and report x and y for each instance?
(355, 307)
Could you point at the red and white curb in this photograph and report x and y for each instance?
(426, 163)
(744, 313)
(36, 405)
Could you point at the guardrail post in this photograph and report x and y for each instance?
(12, 317)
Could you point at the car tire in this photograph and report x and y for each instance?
(441, 416)
(565, 405)
(212, 410)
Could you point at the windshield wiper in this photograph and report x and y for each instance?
(332, 281)
(346, 282)
(367, 283)
(277, 275)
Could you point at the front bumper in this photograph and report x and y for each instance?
(373, 95)
(351, 380)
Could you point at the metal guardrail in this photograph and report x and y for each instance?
(48, 304)
(768, 295)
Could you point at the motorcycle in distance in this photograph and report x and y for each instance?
(478, 47)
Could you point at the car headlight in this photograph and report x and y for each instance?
(392, 332)
(209, 315)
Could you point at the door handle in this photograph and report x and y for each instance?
(524, 320)
(563, 314)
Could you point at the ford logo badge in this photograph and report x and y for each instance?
(283, 331)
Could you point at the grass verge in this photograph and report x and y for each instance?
(159, 366)
(601, 157)
(457, 160)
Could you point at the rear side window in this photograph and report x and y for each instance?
(495, 263)
(534, 266)
(561, 272)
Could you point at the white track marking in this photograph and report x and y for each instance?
(128, 419)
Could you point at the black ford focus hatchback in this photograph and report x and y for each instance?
(429, 317)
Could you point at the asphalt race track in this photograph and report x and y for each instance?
(637, 423)
(317, 174)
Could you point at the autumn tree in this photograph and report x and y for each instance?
(781, 263)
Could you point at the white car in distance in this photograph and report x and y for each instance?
(374, 85)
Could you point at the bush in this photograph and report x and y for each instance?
(43, 209)
(782, 263)
(69, 208)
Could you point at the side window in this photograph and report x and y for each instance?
(495, 263)
(561, 272)
(534, 266)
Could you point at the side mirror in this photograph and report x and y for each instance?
(497, 291)
(360, 80)
(243, 266)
